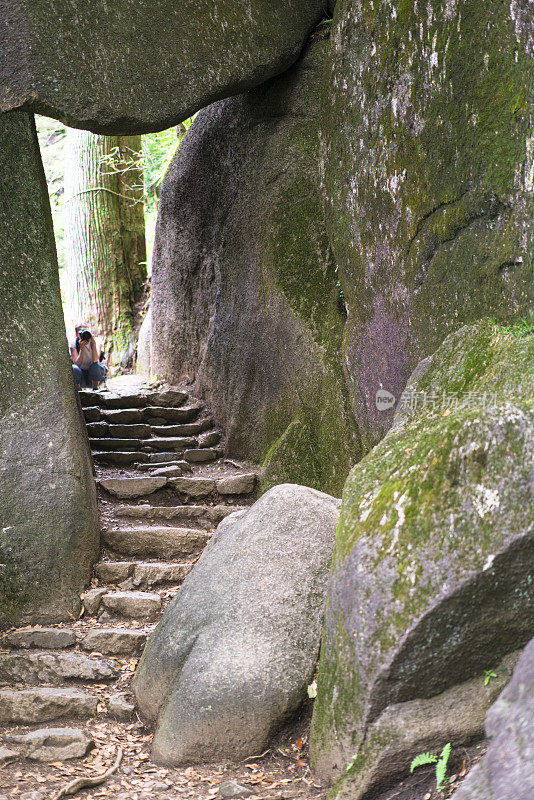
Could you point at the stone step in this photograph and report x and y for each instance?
(244, 483)
(134, 605)
(40, 638)
(230, 486)
(186, 429)
(185, 414)
(92, 414)
(167, 458)
(28, 706)
(105, 430)
(51, 744)
(170, 443)
(125, 416)
(120, 458)
(165, 543)
(201, 455)
(43, 667)
(206, 516)
(115, 444)
(110, 400)
(114, 641)
(131, 487)
(142, 573)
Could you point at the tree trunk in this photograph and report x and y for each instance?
(105, 237)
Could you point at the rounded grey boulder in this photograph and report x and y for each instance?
(235, 650)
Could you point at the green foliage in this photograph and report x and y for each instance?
(423, 759)
(441, 766)
(523, 327)
(158, 152)
(488, 675)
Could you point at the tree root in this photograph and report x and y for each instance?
(84, 782)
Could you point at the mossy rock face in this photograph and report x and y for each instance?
(427, 167)
(244, 295)
(49, 534)
(432, 576)
(134, 66)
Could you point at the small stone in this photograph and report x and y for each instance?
(135, 605)
(158, 786)
(120, 707)
(42, 638)
(237, 484)
(91, 601)
(53, 744)
(113, 641)
(209, 439)
(132, 487)
(127, 585)
(7, 755)
(233, 789)
(32, 796)
(167, 472)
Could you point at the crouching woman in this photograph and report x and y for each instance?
(85, 354)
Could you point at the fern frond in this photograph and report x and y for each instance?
(422, 760)
(441, 766)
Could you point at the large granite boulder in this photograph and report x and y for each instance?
(507, 769)
(49, 533)
(244, 294)
(235, 650)
(133, 66)
(431, 582)
(426, 131)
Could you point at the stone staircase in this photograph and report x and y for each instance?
(163, 487)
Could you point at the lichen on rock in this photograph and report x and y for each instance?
(431, 580)
(427, 161)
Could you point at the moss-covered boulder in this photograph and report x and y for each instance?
(427, 157)
(134, 66)
(244, 297)
(49, 532)
(432, 580)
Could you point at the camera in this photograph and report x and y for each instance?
(84, 335)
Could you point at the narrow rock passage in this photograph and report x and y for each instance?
(163, 487)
